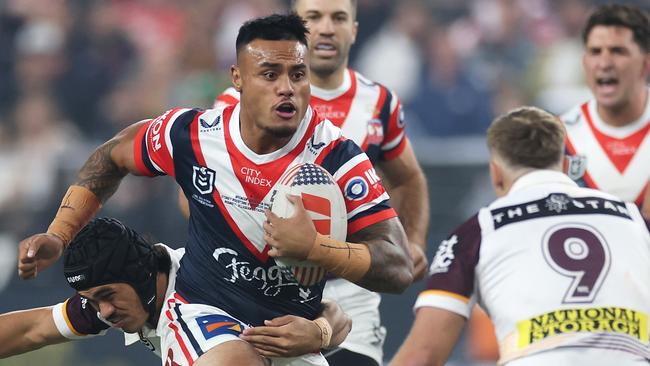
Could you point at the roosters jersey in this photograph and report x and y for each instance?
(555, 266)
(367, 113)
(613, 159)
(76, 319)
(229, 187)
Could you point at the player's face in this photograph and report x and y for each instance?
(332, 29)
(119, 304)
(273, 78)
(615, 66)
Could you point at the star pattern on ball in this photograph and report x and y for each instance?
(310, 174)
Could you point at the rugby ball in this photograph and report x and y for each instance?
(324, 202)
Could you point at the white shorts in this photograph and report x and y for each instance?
(362, 306)
(189, 330)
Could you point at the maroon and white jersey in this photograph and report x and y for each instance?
(76, 319)
(560, 269)
(367, 113)
(615, 160)
(229, 186)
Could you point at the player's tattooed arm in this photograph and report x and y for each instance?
(391, 266)
(100, 174)
(97, 180)
(109, 164)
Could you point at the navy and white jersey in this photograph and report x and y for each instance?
(228, 187)
(76, 319)
(557, 267)
(615, 160)
(367, 112)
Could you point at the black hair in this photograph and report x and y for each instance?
(276, 27)
(626, 16)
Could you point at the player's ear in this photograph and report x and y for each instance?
(235, 76)
(496, 176)
(646, 65)
(355, 29)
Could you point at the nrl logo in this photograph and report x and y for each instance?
(203, 179)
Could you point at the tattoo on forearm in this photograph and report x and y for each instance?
(388, 253)
(100, 174)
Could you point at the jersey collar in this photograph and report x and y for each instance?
(540, 177)
(330, 94)
(235, 133)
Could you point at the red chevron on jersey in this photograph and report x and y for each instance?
(337, 109)
(619, 151)
(257, 178)
(614, 160)
(367, 113)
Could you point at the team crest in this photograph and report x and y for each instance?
(577, 166)
(203, 179)
(557, 202)
(375, 132)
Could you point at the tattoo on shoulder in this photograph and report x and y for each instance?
(100, 174)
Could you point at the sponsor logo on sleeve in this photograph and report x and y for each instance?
(444, 256)
(156, 126)
(356, 188)
(400, 117)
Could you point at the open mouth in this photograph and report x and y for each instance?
(606, 82)
(324, 49)
(286, 110)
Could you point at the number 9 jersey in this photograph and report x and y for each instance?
(561, 270)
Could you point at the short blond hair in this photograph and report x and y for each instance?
(527, 137)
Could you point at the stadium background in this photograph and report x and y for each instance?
(74, 72)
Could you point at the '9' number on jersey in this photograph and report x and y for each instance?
(578, 251)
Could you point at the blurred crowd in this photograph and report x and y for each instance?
(75, 72)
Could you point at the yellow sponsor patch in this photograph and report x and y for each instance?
(566, 321)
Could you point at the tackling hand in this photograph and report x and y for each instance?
(286, 336)
(36, 253)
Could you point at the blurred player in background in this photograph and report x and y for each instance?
(372, 116)
(117, 273)
(561, 270)
(228, 272)
(608, 139)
